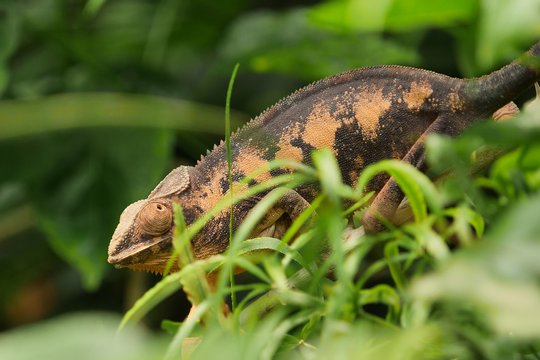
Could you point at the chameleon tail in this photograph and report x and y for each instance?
(492, 91)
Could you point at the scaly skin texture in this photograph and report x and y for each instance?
(363, 116)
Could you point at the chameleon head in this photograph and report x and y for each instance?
(143, 238)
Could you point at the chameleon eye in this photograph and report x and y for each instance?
(155, 218)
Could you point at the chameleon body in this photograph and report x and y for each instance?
(363, 116)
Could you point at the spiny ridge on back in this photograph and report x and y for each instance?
(312, 88)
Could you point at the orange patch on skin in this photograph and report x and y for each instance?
(287, 151)
(249, 160)
(417, 94)
(213, 189)
(456, 103)
(369, 107)
(320, 128)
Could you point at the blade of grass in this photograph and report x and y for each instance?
(244, 230)
(281, 331)
(330, 224)
(297, 224)
(268, 243)
(391, 250)
(175, 347)
(182, 245)
(165, 287)
(379, 265)
(381, 294)
(229, 170)
(151, 298)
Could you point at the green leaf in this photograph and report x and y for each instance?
(429, 240)
(176, 345)
(380, 294)
(171, 327)
(258, 340)
(329, 174)
(347, 14)
(245, 264)
(391, 250)
(84, 336)
(412, 14)
(506, 28)
(152, 297)
(363, 340)
(289, 296)
(276, 273)
(75, 111)
(399, 15)
(464, 218)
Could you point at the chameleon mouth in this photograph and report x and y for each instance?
(157, 268)
(152, 254)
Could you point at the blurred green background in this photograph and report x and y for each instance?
(99, 99)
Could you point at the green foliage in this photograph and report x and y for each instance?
(81, 111)
(92, 119)
(291, 43)
(87, 336)
(347, 15)
(499, 35)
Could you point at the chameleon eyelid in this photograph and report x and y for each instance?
(155, 218)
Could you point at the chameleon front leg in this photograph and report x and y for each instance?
(291, 203)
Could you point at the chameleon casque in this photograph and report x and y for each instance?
(363, 116)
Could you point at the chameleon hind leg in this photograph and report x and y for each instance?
(388, 199)
(388, 202)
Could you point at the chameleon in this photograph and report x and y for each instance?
(362, 116)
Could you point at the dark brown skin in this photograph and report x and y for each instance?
(363, 116)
